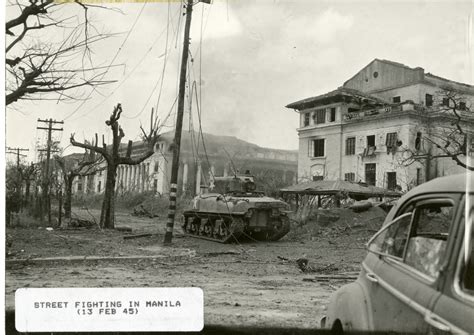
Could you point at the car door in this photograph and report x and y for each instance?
(411, 255)
(454, 310)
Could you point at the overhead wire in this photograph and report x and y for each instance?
(162, 75)
(130, 73)
(112, 61)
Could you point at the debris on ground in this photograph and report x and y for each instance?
(125, 229)
(129, 237)
(333, 223)
(324, 278)
(81, 223)
(361, 206)
(304, 266)
(140, 210)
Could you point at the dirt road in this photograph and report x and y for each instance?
(249, 283)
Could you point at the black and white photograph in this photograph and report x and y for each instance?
(239, 166)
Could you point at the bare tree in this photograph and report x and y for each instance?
(450, 132)
(72, 167)
(36, 68)
(28, 174)
(114, 158)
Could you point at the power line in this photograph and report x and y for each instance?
(113, 59)
(127, 76)
(162, 75)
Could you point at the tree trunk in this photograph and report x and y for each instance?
(68, 199)
(107, 218)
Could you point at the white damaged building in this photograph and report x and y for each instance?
(389, 125)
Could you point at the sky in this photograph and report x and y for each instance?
(250, 59)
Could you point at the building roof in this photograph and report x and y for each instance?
(339, 94)
(328, 187)
(346, 94)
(428, 78)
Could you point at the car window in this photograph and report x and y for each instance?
(428, 238)
(467, 283)
(467, 270)
(392, 240)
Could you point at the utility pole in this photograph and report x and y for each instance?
(50, 129)
(16, 151)
(179, 124)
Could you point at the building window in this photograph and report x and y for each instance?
(418, 141)
(317, 148)
(349, 176)
(418, 176)
(391, 142)
(155, 185)
(462, 105)
(79, 186)
(320, 116)
(306, 120)
(332, 116)
(396, 100)
(316, 178)
(445, 102)
(350, 145)
(98, 186)
(391, 180)
(371, 141)
(428, 100)
(157, 166)
(370, 173)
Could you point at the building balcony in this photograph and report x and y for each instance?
(384, 111)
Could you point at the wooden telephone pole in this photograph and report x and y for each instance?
(16, 151)
(50, 129)
(179, 124)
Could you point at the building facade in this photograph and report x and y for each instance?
(384, 126)
(201, 158)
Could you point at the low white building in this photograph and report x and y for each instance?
(220, 156)
(382, 127)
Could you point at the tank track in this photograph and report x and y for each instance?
(213, 227)
(280, 231)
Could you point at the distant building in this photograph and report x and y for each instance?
(219, 156)
(368, 129)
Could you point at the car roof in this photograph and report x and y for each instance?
(449, 184)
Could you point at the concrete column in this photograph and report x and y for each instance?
(127, 177)
(147, 174)
(136, 172)
(135, 178)
(132, 177)
(141, 176)
(185, 176)
(121, 178)
(198, 178)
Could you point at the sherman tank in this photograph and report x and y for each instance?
(233, 209)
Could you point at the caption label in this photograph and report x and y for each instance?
(109, 309)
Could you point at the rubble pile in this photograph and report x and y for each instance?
(335, 222)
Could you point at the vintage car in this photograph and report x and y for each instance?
(418, 275)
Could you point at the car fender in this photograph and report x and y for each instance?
(350, 305)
